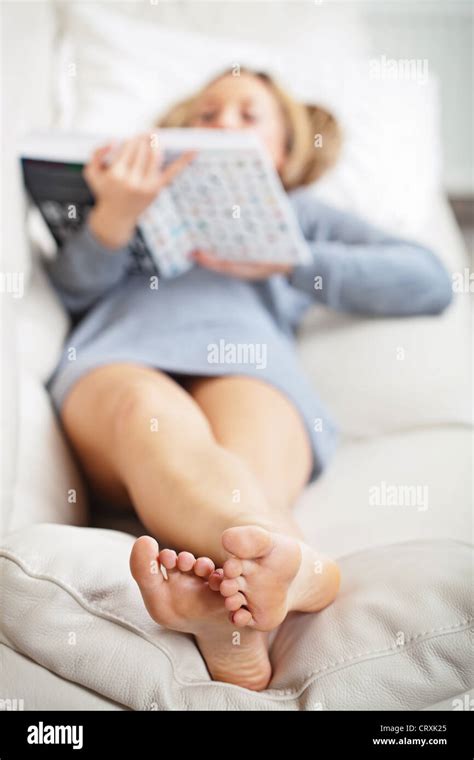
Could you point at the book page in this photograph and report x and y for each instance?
(228, 201)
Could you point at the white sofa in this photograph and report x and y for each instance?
(73, 631)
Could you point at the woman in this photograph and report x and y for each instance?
(213, 456)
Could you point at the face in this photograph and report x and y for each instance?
(243, 102)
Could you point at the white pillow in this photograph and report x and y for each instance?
(390, 169)
(120, 70)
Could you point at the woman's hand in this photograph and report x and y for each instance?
(245, 270)
(125, 187)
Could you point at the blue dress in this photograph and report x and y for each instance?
(205, 323)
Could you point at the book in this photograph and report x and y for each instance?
(228, 201)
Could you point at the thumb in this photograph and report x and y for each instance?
(176, 167)
(100, 153)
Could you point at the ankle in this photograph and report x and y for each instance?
(316, 584)
(269, 521)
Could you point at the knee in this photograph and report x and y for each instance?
(135, 401)
(148, 417)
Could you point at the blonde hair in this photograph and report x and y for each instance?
(313, 135)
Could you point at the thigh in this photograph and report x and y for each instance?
(93, 410)
(260, 424)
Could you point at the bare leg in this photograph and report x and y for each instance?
(269, 574)
(259, 425)
(142, 439)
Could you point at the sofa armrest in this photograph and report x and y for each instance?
(397, 637)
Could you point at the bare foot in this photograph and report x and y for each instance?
(270, 574)
(186, 601)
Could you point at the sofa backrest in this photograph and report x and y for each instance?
(37, 470)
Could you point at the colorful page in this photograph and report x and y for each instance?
(228, 201)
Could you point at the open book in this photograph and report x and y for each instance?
(228, 201)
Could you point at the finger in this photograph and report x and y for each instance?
(140, 161)
(249, 270)
(280, 268)
(126, 154)
(255, 268)
(154, 161)
(99, 153)
(211, 259)
(208, 259)
(96, 160)
(225, 267)
(176, 167)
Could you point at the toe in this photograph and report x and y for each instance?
(204, 567)
(235, 602)
(230, 586)
(232, 568)
(247, 542)
(241, 618)
(145, 568)
(215, 579)
(185, 561)
(168, 558)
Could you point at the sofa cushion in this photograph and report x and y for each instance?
(42, 689)
(48, 487)
(400, 623)
(383, 489)
(39, 478)
(403, 487)
(8, 409)
(42, 326)
(382, 376)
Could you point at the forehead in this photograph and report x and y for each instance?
(243, 87)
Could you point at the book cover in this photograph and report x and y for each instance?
(228, 200)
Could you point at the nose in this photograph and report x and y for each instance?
(227, 119)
